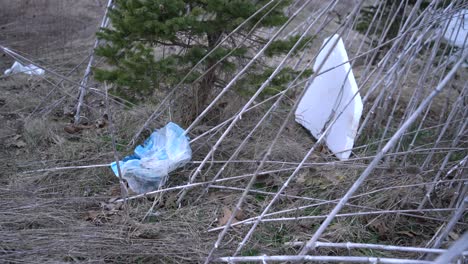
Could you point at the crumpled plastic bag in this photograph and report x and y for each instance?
(30, 69)
(164, 151)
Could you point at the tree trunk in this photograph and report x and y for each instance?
(203, 91)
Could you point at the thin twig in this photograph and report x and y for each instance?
(454, 251)
(327, 259)
(84, 81)
(350, 245)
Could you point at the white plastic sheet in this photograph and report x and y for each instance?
(333, 91)
(457, 29)
(28, 69)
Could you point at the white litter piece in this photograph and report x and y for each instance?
(332, 92)
(457, 32)
(457, 29)
(29, 69)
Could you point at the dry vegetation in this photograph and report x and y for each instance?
(70, 215)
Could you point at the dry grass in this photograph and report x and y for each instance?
(65, 216)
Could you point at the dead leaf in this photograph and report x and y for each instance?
(115, 190)
(266, 179)
(111, 206)
(454, 236)
(20, 144)
(227, 213)
(334, 176)
(101, 123)
(148, 233)
(381, 227)
(91, 215)
(71, 129)
(120, 191)
(16, 141)
(302, 177)
(294, 191)
(240, 215)
(406, 233)
(307, 177)
(171, 200)
(320, 148)
(413, 170)
(218, 197)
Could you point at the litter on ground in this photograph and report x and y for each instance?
(457, 29)
(30, 69)
(333, 93)
(164, 151)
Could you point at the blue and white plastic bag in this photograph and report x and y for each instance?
(164, 151)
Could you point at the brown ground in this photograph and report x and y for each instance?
(55, 31)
